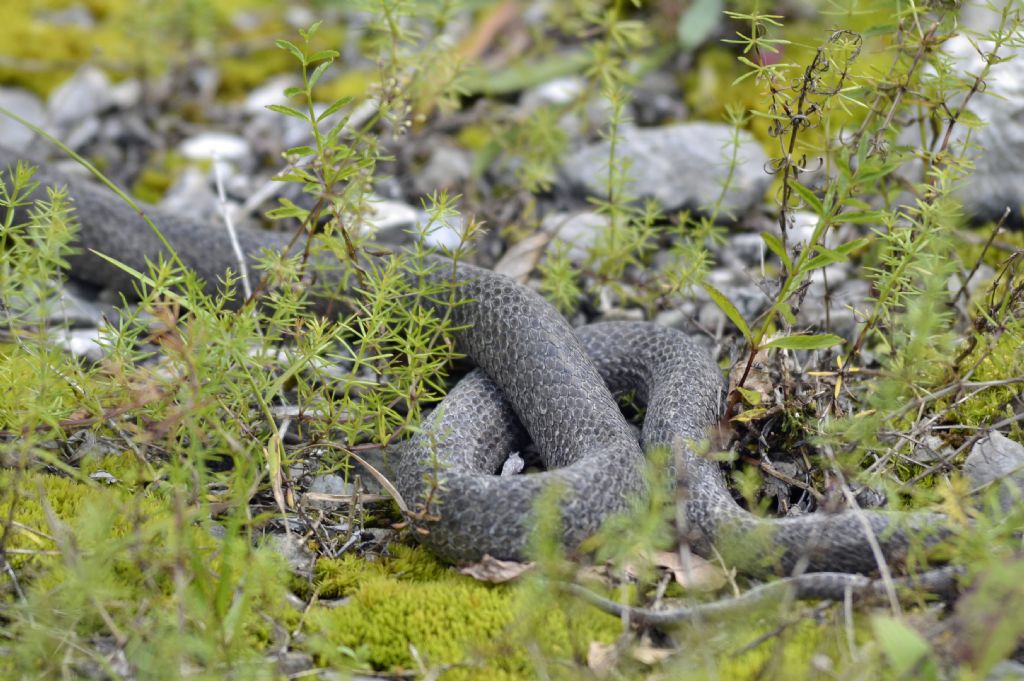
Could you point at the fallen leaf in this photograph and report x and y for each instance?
(522, 257)
(494, 571)
(695, 574)
(649, 655)
(601, 658)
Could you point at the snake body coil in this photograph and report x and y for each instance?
(537, 371)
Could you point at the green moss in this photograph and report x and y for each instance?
(969, 250)
(128, 38)
(339, 577)
(124, 466)
(793, 652)
(413, 601)
(475, 137)
(30, 534)
(92, 559)
(239, 75)
(995, 362)
(752, 649)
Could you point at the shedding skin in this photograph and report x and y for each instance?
(540, 378)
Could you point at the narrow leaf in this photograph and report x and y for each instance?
(333, 108)
(319, 71)
(751, 397)
(809, 197)
(288, 111)
(909, 653)
(328, 55)
(828, 256)
(748, 415)
(726, 306)
(787, 313)
(803, 341)
(774, 245)
(300, 151)
(290, 47)
(697, 23)
(862, 216)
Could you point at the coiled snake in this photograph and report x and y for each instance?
(557, 382)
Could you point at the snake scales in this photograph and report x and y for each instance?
(537, 371)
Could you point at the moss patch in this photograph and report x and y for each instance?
(129, 36)
(97, 563)
(996, 362)
(473, 630)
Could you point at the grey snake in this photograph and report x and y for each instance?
(558, 383)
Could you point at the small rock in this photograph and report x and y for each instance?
(28, 106)
(85, 94)
(846, 297)
(680, 317)
(75, 307)
(83, 343)
(77, 15)
(561, 92)
(930, 449)
(193, 196)
(746, 249)
(982, 277)
(391, 220)
(997, 181)
(330, 484)
(271, 92)
(657, 99)
(293, 664)
(680, 166)
(294, 550)
(443, 235)
(1006, 670)
(749, 300)
(579, 230)
(997, 458)
(513, 465)
(216, 145)
(557, 91)
(447, 167)
(127, 94)
(105, 477)
(81, 133)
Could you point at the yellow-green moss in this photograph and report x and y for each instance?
(412, 600)
(1001, 361)
(129, 36)
(106, 556)
(750, 648)
(475, 136)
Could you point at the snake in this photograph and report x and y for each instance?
(537, 379)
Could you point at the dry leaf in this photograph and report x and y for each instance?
(594, 573)
(522, 257)
(494, 571)
(649, 655)
(695, 573)
(601, 658)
